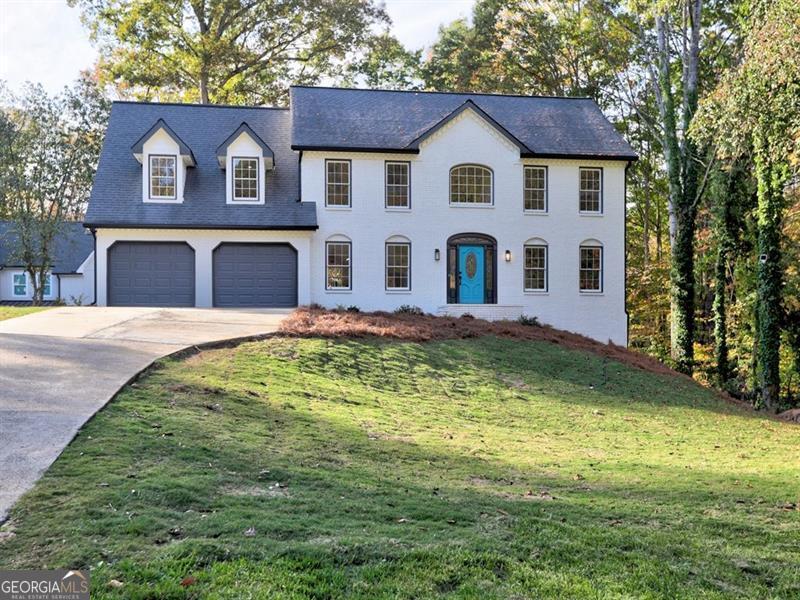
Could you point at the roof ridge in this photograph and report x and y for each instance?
(194, 104)
(497, 94)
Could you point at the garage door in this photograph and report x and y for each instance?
(150, 274)
(256, 275)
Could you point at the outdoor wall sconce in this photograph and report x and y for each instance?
(508, 255)
(436, 254)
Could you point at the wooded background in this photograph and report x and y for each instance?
(706, 91)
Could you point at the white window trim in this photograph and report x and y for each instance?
(14, 285)
(598, 292)
(386, 267)
(593, 213)
(489, 204)
(537, 211)
(176, 199)
(349, 266)
(349, 204)
(259, 196)
(546, 287)
(386, 164)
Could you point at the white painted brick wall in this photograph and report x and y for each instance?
(432, 220)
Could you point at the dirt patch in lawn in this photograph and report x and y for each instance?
(312, 322)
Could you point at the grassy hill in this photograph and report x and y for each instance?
(477, 468)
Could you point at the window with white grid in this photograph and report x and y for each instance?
(470, 184)
(535, 268)
(535, 191)
(337, 183)
(398, 266)
(20, 284)
(338, 267)
(591, 190)
(162, 176)
(591, 269)
(245, 179)
(397, 184)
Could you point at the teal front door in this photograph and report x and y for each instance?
(471, 277)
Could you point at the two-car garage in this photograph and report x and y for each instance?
(163, 274)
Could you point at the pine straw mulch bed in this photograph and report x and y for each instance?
(314, 322)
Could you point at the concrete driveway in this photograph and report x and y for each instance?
(60, 366)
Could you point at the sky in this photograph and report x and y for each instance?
(44, 41)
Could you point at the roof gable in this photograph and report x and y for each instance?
(161, 125)
(468, 105)
(266, 151)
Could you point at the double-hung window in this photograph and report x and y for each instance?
(245, 179)
(535, 268)
(591, 269)
(162, 177)
(470, 184)
(337, 183)
(591, 190)
(398, 266)
(20, 284)
(338, 267)
(398, 185)
(535, 190)
(46, 286)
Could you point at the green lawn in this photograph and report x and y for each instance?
(482, 468)
(9, 312)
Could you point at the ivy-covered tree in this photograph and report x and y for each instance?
(757, 110)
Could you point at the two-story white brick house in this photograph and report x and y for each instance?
(491, 205)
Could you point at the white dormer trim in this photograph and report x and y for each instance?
(161, 143)
(244, 146)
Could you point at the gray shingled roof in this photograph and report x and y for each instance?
(381, 120)
(116, 199)
(73, 245)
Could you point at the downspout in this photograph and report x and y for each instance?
(58, 277)
(300, 177)
(94, 236)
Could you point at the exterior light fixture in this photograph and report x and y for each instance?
(508, 255)
(436, 254)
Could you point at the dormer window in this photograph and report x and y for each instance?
(247, 160)
(164, 157)
(162, 177)
(245, 179)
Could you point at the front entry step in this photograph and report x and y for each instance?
(490, 312)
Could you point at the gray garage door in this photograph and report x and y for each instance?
(254, 275)
(151, 274)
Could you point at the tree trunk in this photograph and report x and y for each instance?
(681, 212)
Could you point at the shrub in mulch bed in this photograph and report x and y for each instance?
(314, 322)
